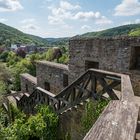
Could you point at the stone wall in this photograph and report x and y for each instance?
(112, 54)
(135, 79)
(70, 124)
(28, 83)
(52, 74)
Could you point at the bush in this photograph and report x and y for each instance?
(24, 66)
(64, 59)
(3, 88)
(41, 126)
(4, 55)
(92, 112)
(49, 55)
(12, 59)
(51, 120)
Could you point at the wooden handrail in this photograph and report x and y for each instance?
(93, 83)
(84, 87)
(118, 121)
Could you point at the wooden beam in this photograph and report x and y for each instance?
(112, 85)
(108, 89)
(127, 90)
(117, 122)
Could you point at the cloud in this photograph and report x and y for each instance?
(66, 26)
(30, 27)
(87, 15)
(85, 27)
(10, 5)
(29, 24)
(96, 16)
(45, 3)
(131, 22)
(3, 19)
(26, 21)
(68, 6)
(103, 20)
(67, 11)
(58, 15)
(128, 8)
(62, 12)
(48, 0)
(137, 21)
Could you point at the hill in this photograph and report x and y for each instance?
(9, 35)
(125, 30)
(58, 41)
(117, 31)
(135, 32)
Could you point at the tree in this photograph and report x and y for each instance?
(5, 73)
(3, 56)
(20, 52)
(1, 49)
(23, 66)
(64, 59)
(12, 59)
(2, 88)
(41, 126)
(52, 54)
(49, 54)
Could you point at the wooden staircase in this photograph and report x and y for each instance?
(94, 84)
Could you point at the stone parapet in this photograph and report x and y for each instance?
(52, 76)
(28, 83)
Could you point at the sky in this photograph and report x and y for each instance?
(66, 18)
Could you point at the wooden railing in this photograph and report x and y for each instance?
(93, 83)
(119, 119)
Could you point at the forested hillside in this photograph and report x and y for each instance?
(58, 41)
(133, 29)
(9, 35)
(135, 32)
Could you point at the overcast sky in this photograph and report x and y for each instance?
(61, 18)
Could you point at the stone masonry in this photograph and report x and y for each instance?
(52, 76)
(28, 83)
(120, 54)
(111, 54)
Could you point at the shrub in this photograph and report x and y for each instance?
(92, 112)
(3, 56)
(64, 59)
(41, 126)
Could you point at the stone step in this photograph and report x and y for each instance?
(76, 107)
(27, 94)
(12, 100)
(17, 98)
(82, 103)
(20, 95)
